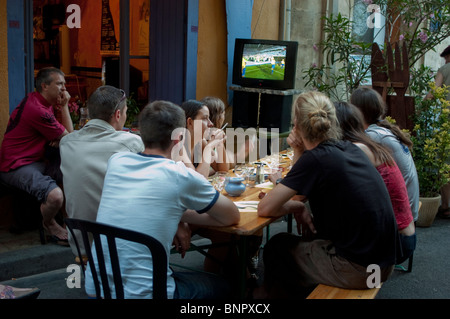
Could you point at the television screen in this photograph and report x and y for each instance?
(267, 64)
(261, 61)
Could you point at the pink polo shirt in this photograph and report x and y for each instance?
(31, 126)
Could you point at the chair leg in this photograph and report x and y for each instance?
(410, 263)
(42, 235)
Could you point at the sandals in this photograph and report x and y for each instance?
(58, 241)
(444, 212)
(53, 238)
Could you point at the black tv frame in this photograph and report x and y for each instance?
(290, 65)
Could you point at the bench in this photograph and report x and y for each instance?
(328, 292)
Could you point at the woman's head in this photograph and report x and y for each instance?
(316, 117)
(216, 110)
(196, 111)
(350, 119)
(370, 103)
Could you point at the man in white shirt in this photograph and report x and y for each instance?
(85, 154)
(150, 193)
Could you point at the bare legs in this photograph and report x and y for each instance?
(49, 209)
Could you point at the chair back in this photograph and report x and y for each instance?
(159, 256)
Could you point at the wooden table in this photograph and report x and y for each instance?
(249, 224)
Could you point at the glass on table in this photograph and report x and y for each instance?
(243, 170)
(219, 180)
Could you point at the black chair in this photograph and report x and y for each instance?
(159, 256)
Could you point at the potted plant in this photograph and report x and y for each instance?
(132, 112)
(431, 138)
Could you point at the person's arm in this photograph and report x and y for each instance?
(215, 152)
(369, 153)
(182, 239)
(278, 203)
(66, 121)
(65, 114)
(223, 213)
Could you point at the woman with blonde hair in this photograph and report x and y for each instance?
(352, 224)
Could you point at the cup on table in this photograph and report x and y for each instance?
(219, 180)
(243, 170)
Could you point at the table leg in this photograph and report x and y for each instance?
(243, 252)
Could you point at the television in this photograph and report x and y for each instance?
(268, 64)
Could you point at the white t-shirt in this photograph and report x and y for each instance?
(148, 194)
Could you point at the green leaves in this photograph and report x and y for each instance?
(418, 24)
(431, 140)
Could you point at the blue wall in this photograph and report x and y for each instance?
(239, 24)
(16, 54)
(191, 50)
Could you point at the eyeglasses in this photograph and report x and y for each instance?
(124, 96)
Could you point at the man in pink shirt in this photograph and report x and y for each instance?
(31, 128)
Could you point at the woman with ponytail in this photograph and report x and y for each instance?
(351, 224)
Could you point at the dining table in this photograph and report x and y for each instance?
(250, 223)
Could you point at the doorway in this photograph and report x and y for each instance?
(139, 46)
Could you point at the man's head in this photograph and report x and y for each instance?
(109, 104)
(50, 83)
(157, 121)
(446, 53)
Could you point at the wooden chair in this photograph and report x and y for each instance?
(159, 256)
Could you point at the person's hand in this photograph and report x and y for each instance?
(305, 224)
(209, 151)
(295, 142)
(276, 175)
(216, 134)
(182, 239)
(63, 99)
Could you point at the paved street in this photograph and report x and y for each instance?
(428, 280)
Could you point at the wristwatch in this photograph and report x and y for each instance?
(278, 181)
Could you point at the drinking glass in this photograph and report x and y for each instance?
(219, 180)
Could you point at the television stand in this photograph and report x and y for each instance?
(262, 108)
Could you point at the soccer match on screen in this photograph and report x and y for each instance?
(263, 62)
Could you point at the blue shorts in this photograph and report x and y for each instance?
(31, 179)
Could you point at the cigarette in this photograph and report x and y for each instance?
(223, 127)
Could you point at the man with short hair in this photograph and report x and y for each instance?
(85, 154)
(150, 193)
(32, 129)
